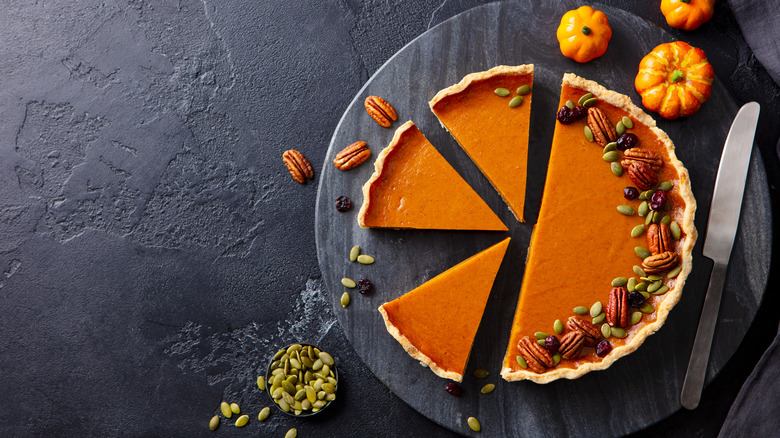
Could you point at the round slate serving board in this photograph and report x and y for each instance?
(637, 390)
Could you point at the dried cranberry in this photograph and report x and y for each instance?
(658, 200)
(631, 193)
(453, 389)
(635, 299)
(564, 115)
(627, 141)
(603, 348)
(551, 343)
(364, 286)
(578, 112)
(343, 203)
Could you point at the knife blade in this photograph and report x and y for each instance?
(721, 231)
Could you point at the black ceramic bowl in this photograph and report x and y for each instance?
(311, 380)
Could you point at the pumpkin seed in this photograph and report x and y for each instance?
(611, 146)
(590, 102)
(666, 219)
(242, 421)
(616, 168)
(642, 252)
(654, 286)
(225, 408)
(354, 253)
(214, 423)
(365, 259)
(261, 383)
(606, 330)
(348, 282)
(619, 281)
(235, 408)
(600, 318)
(280, 353)
(524, 89)
(295, 363)
(558, 326)
(674, 272)
(620, 128)
(487, 389)
(647, 308)
(344, 300)
(289, 399)
(588, 133)
(656, 217)
(474, 424)
(300, 395)
(611, 156)
(516, 101)
(618, 332)
(638, 230)
(643, 209)
(327, 359)
(584, 98)
(662, 290)
(540, 335)
(330, 397)
(649, 218)
(631, 285)
(317, 365)
(646, 195)
(292, 433)
(318, 384)
(636, 317)
(627, 122)
(654, 277)
(639, 271)
(288, 387)
(580, 310)
(521, 361)
(293, 348)
(264, 413)
(503, 92)
(665, 186)
(480, 373)
(556, 359)
(541, 342)
(283, 405)
(570, 104)
(675, 230)
(306, 404)
(595, 309)
(329, 388)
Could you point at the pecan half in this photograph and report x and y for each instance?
(642, 175)
(599, 124)
(380, 110)
(641, 155)
(571, 344)
(352, 156)
(656, 264)
(536, 356)
(659, 238)
(590, 332)
(298, 165)
(617, 309)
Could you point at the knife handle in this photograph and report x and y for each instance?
(700, 355)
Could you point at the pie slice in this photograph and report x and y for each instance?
(588, 280)
(483, 114)
(436, 322)
(413, 186)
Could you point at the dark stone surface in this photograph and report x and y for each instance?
(154, 249)
(595, 404)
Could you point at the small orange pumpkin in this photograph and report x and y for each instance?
(687, 14)
(584, 34)
(674, 79)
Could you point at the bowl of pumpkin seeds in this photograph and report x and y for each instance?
(303, 380)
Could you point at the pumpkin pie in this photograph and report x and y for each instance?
(436, 322)
(489, 119)
(413, 186)
(609, 254)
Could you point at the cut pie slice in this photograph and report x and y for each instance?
(604, 266)
(413, 186)
(488, 114)
(436, 322)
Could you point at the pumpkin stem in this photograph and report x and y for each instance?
(677, 75)
(586, 30)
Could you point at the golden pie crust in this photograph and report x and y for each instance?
(668, 300)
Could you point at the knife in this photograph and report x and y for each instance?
(721, 230)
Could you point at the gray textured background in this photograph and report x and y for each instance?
(154, 249)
